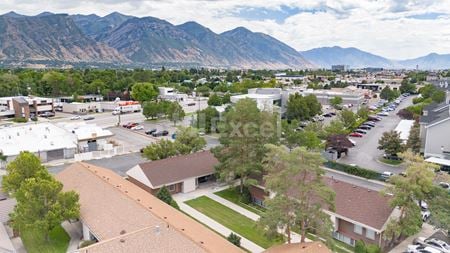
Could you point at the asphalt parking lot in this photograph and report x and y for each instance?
(365, 154)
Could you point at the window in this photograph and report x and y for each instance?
(357, 229)
(370, 234)
(171, 187)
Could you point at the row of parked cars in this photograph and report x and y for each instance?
(153, 132)
(430, 245)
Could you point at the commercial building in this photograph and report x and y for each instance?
(268, 99)
(360, 213)
(45, 140)
(121, 217)
(179, 174)
(90, 137)
(340, 68)
(349, 95)
(24, 106)
(81, 108)
(169, 93)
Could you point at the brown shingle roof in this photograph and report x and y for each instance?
(360, 204)
(117, 211)
(176, 169)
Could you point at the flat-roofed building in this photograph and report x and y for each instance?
(24, 106)
(122, 217)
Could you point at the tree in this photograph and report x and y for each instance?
(234, 239)
(407, 87)
(314, 106)
(188, 140)
(360, 247)
(297, 108)
(144, 92)
(414, 141)
(25, 166)
(438, 96)
(164, 195)
(336, 102)
(391, 143)
(348, 118)
(244, 132)
(207, 119)
(160, 150)
(175, 112)
(438, 201)
(334, 127)
(405, 114)
(293, 137)
(406, 192)
(214, 100)
(388, 94)
(151, 109)
(363, 112)
(299, 193)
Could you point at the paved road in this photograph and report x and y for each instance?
(365, 154)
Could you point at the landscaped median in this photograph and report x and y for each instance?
(233, 220)
(353, 170)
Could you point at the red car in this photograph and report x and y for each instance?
(356, 135)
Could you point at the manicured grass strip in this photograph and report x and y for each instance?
(34, 241)
(231, 194)
(233, 220)
(391, 162)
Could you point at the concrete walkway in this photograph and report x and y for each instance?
(427, 231)
(74, 231)
(180, 198)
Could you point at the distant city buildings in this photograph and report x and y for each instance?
(340, 67)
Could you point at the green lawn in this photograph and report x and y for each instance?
(232, 220)
(231, 194)
(391, 162)
(34, 242)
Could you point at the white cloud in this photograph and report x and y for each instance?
(378, 26)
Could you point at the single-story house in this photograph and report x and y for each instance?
(360, 213)
(182, 173)
(121, 217)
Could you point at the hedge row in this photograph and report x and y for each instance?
(353, 170)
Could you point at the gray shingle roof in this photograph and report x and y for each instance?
(435, 113)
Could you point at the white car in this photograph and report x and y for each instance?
(417, 248)
(138, 127)
(386, 175)
(76, 117)
(425, 215)
(438, 244)
(383, 114)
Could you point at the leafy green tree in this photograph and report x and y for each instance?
(407, 87)
(315, 107)
(234, 239)
(391, 143)
(297, 108)
(214, 100)
(438, 200)
(144, 92)
(363, 112)
(207, 119)
(54, 82)
(244, 132)
(164, 195)
(175, 112)
(300, 194)
(414, 141)
(360, 246)
(151, 109)
(388, 94)
(438, 96)
(336, 102)
(160, 150)
(188, 140)
(25, 166)
(334, 127)
(406, 191)
(348, 118)
(9, 85)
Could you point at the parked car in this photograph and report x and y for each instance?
(161, 133)
(425, 215)
(88, 118)
(444, 185)
(433, 243)
(354, 134)
(361, 131)
(418, 248)
(327, 115)
(374, 118)
(47, 114)
(127, 125)
(174, 136)
(384, 114)
(137, 127)
(365, 127)
(368, 124)
(76, 117)
(386, 175)
(151, 131)
(131, 125)
(333, 113)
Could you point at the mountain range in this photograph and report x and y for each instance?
(130, 41)
(54, 40)
(325, 57)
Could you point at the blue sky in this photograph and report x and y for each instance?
(397, 29)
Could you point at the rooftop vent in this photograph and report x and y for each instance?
(123, 232)
(157, 229)
(122, 240)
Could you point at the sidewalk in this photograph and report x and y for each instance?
(74, 231)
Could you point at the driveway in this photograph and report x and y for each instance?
(365, 154)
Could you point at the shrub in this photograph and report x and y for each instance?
(372, 248)
(353, 170)
(234, 239)
(405, 114)
(360, 247)
(20, 120)
(246, 197)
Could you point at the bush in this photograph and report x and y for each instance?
(245, 197)
(353, 170)
(20, 120)
(360, 247)
(234, 239)
(372, 248)
(405, 114)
